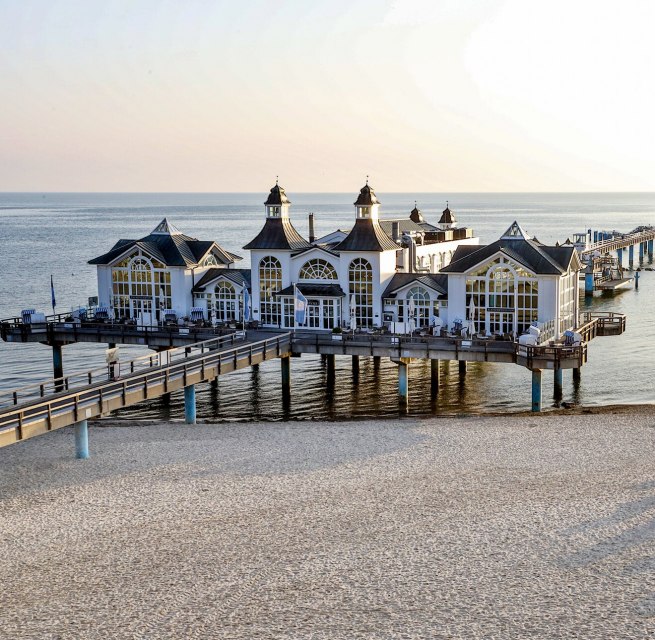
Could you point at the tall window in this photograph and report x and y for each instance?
(140, 284)
(505, 297)
(318, 269)
(270, 282)
(225, 301)
(360, 281)
(567, 302)
(421, 300)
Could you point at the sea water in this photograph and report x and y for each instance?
(45, 233)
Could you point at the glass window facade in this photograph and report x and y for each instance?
(270, 282)
(318, 269)
(360, 283)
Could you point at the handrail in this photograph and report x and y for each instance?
(86, 377)
(89, 394)
(624, 239)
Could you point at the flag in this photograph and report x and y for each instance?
(52, 293)
(246, 305)
(300, 306)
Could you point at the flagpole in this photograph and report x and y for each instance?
(52, 294)
(295, 297)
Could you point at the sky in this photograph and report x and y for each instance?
(422, 95)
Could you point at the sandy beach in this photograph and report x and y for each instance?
(494, 527)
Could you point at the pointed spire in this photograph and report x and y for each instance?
(277, 196)
(166, 228)
(366, 196)
(415, 214)
(515, 232)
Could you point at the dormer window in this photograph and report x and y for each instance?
(210, 261)
(365, 212)
(274, 212)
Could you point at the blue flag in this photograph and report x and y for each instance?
(52, 294)
(300, 306)
(246, 305)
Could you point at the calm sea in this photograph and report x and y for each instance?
(43, 234)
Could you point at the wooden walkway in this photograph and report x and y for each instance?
(75, 402)
(618, 242)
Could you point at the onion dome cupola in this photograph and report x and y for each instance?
(278, 233)
(416, 215)
(447, 220)
(277, 203)
(367, 203)
(367, 234)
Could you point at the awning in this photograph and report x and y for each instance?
(314, 290)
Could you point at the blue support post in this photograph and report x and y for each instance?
(462, 368)
(650, 250)
(403, 383)
(641, 252)
(559, 384)
(536, 390)
(619, 255)
(355, 360)
(589, 283)
(57, 363)
(190, 404)
(82, 440)
(595, 236)
(636, 279)
(631, 254)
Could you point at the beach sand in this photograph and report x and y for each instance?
(480, 527)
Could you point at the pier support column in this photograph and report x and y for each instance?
(462, 368)
(536, 390)
(376, 362)
(619, 255)
(558, 385)
(641, 252)
(190, 404)
(589, 281)
(57, 363)
(403, 382)
(434, 376)
(330, 365)
(81, 440)
(355, 368)
(631, 254)
(650, 250)
(576, 374)
(595, 236)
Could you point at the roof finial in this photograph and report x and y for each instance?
(276, 179)
(367, 178)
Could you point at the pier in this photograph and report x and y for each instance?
(603, 254)
(72, 400)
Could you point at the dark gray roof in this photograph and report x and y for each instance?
(308, 289)
(416, 215)
(366, 196)
(366, 235)
(238, 276)
(169, 246)
(278, 233)
(447, 217)
(436, 281)
(535, 257)
(328, 248)
(277, 196)
(404, 225)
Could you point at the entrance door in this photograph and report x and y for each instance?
(501, 322)
(142, 311)
(313, 314)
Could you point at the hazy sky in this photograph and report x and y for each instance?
(423, 95)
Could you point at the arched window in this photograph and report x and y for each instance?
(270, 282)
(210, 261)
(318, 269)
(360, 282)
(421, 301)
(225, 301)
(140, 286)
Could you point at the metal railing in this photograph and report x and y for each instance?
(90, 377)
(620, 242)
